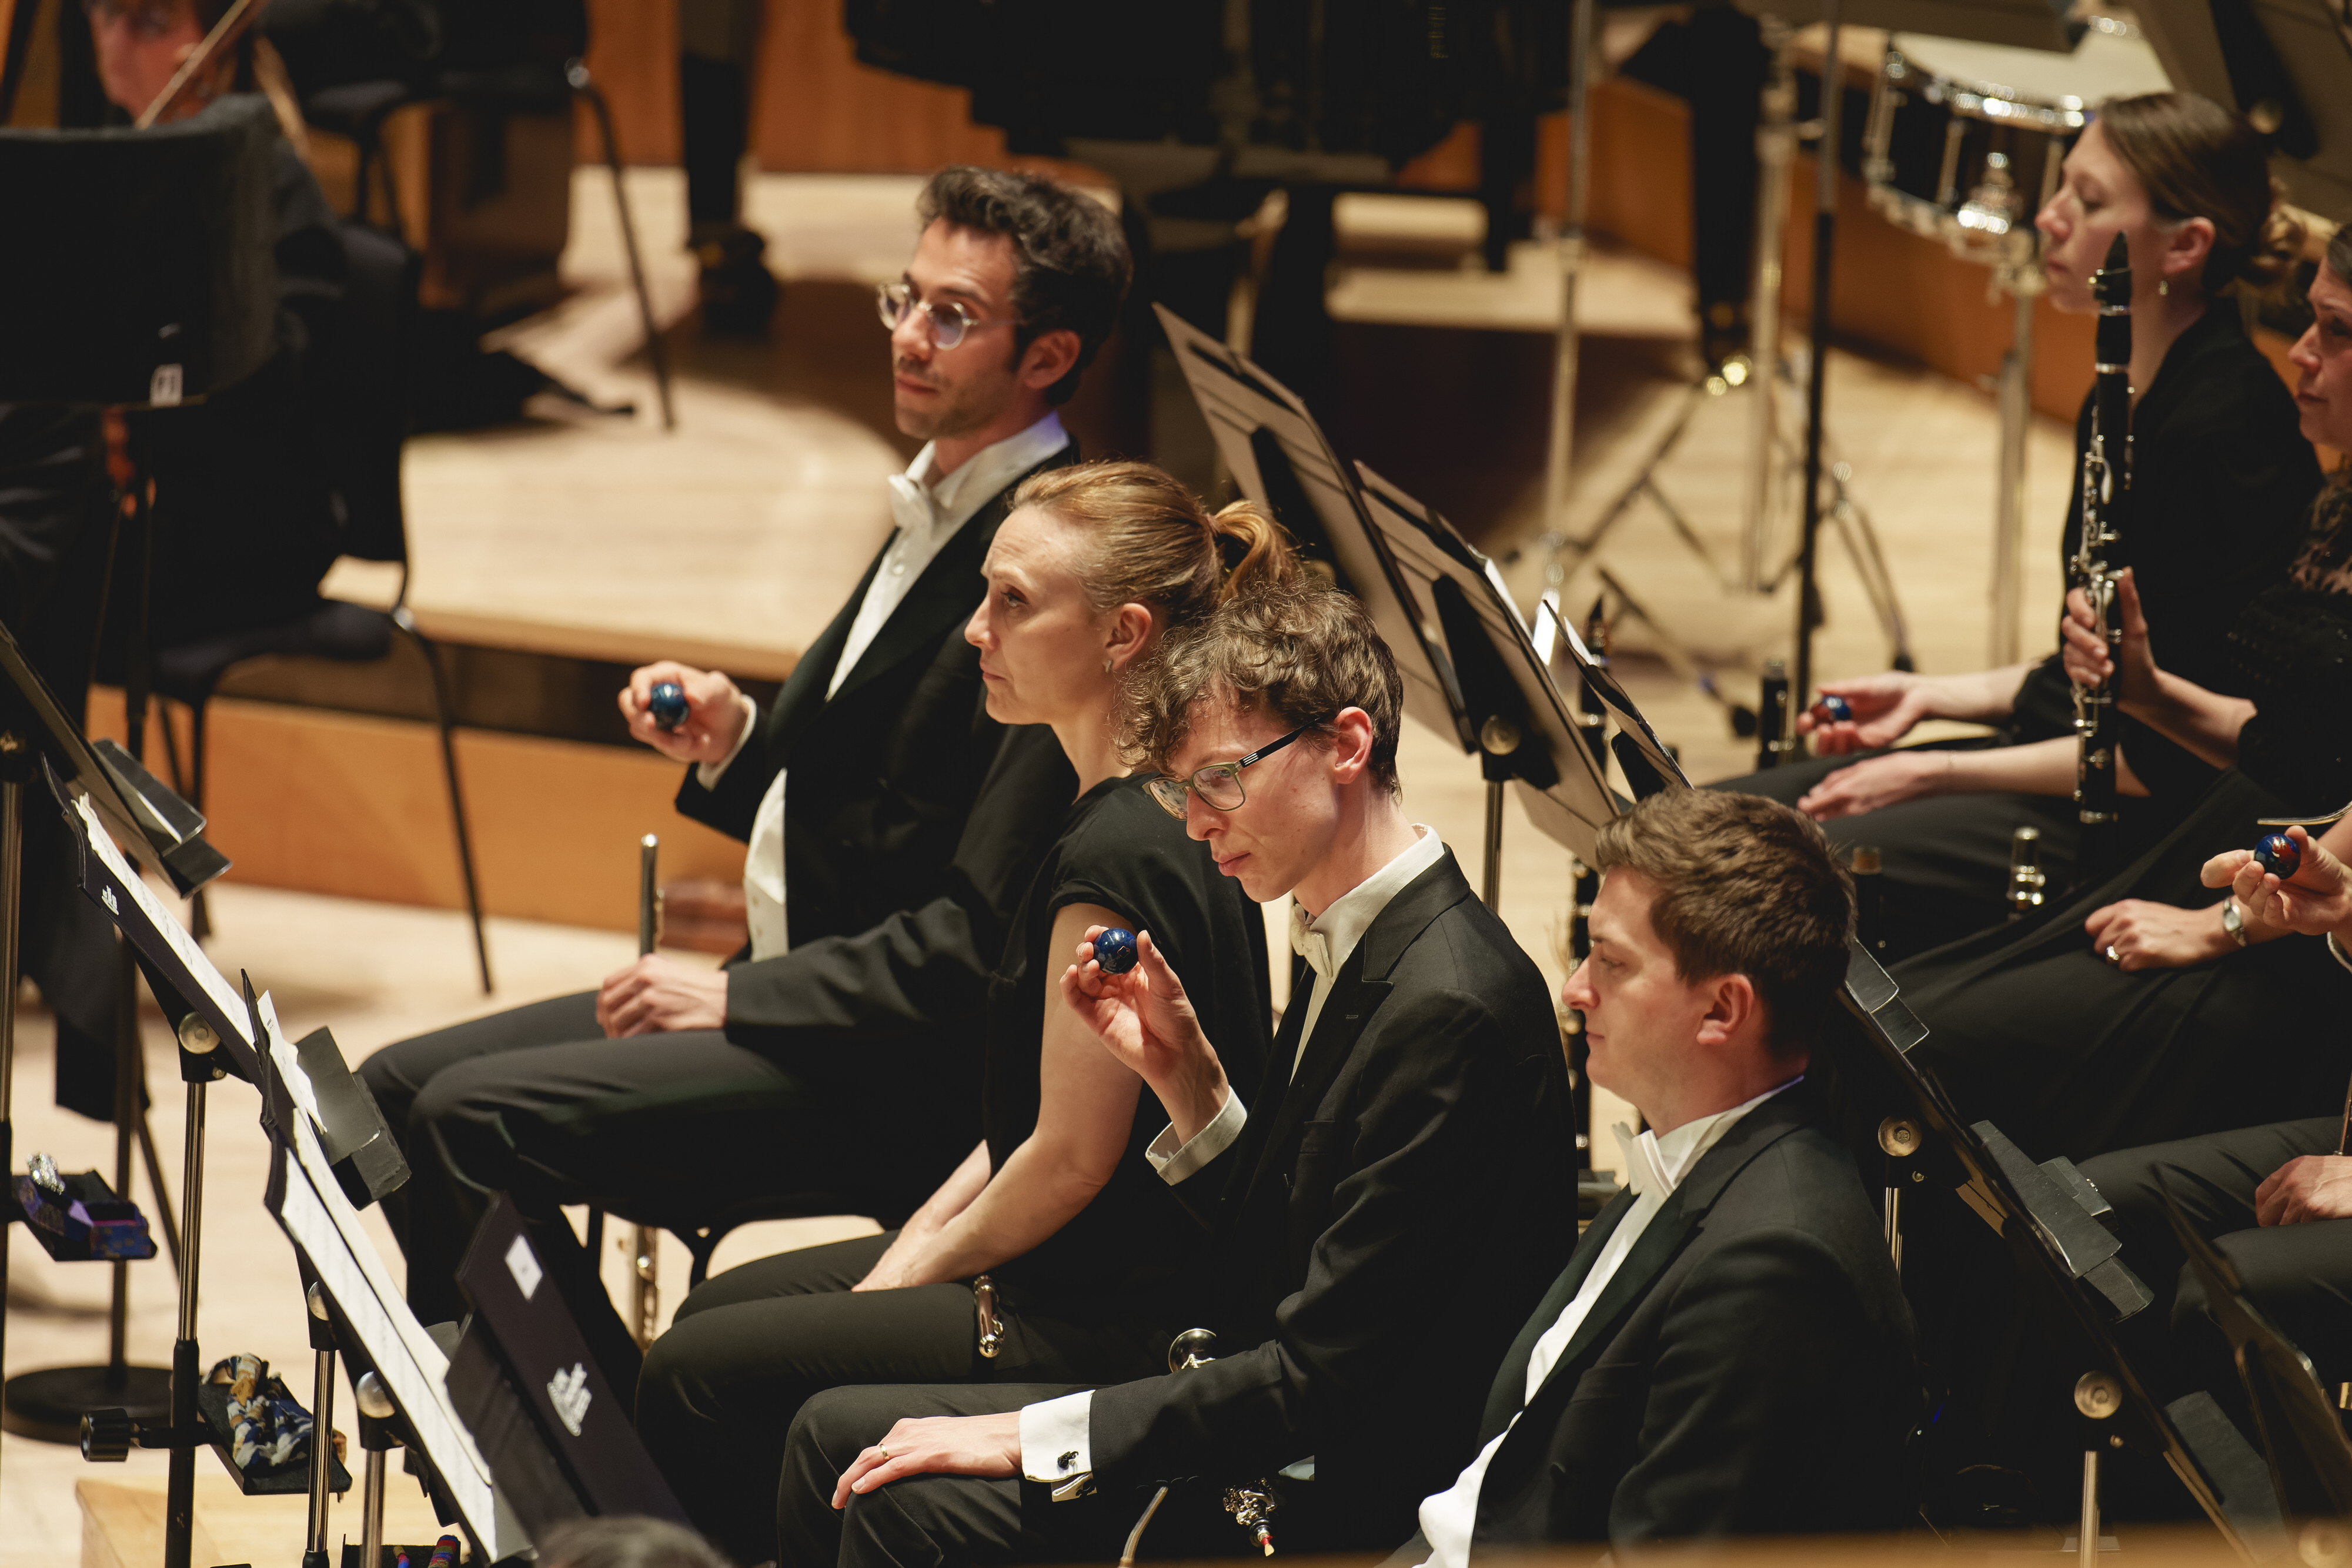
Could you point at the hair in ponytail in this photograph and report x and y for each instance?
(1147, 540)
(2194, 159)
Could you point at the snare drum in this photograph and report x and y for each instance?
(1965, 140)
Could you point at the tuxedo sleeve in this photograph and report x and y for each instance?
(1430, 1139)
(733, 800)
(924, 968)
(1766, 1359)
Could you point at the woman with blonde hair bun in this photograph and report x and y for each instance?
(1080, 1240)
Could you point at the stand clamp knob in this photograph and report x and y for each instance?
(2097, 1395)
(106, 1435)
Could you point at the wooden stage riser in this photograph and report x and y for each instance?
(356, 806)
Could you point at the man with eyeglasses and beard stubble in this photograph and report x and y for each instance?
(878, 882)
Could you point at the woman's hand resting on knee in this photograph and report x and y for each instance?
(2136, 933)
(1877, 782)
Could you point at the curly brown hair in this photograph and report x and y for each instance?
(1070, 262)
(1301, 650)
(1744, 886)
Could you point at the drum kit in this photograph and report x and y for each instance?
(1963, 143)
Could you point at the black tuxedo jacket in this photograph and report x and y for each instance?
(1384, 1222)
(1749, 1369)
(911, 827)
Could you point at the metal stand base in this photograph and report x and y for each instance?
(48, 1406)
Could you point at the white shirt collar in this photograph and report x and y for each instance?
(1327, 939)
(1657, 1162)
(952, 501)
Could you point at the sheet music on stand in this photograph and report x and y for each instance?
(305, 1194)
(309, 1204)
(1556, 640)
(109, 877)
(1281, 461)
(1481, 647)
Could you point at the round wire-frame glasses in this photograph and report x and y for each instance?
(1220, 784)
(951, 323)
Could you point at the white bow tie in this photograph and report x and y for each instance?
(1310, 944)
(1646, 1166)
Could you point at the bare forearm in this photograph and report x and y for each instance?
(1034, 1195)
(2042, 767)
(2205, 723)
(1981, 696)
(955, 1194)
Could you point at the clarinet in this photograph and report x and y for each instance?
(2107, 487)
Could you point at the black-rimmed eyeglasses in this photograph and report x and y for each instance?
(1220, 784)
(949, 323)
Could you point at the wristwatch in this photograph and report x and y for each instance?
(2232, 921)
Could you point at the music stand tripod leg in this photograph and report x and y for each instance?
(322, 1426)
(198, 1068)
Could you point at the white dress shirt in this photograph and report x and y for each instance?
(1056, 1440)
(1654, 1166)
(928, 512)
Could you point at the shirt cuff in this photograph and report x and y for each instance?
(708, 774)
(1054, 1447)
(1174, 1164)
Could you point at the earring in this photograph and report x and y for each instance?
(1106, 666)
(2164, 286)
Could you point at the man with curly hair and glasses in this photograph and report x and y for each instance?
(1380, 1211)
(878, 884)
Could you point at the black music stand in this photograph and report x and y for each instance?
(556, 1432)
(40, 746)
(406, 1364)
(2049, 1215)
(155, 285)
(221, 1032)
(1470, 670)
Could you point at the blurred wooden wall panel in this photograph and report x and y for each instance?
(816, 109)
(355, 807)
(632, 56)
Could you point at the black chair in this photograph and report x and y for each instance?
(496, 60)
(367, 383)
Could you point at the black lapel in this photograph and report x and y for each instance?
(1683, 1212)
(1509, 1392)
(804, 692)
(1357, 992)
(1273, 1088)
(944, 595)
(1351, 1001)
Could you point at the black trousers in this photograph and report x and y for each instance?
(936, 1520)
(533, 1101)
(720, 1390)
(2299, 1275)
(1946, 857)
